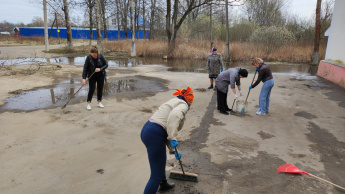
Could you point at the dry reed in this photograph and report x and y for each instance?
(299, 52)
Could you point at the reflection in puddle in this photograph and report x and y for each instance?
(58, 95)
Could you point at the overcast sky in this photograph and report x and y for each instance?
(16, 11)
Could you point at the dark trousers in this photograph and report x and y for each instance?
(99, 79)
(222, 104)
(154, 137)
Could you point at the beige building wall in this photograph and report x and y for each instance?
(336, 39)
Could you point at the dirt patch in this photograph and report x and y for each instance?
(28, 69)
(264, 135)
(305, 115)
(332, 154)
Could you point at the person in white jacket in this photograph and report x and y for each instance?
(161, 131)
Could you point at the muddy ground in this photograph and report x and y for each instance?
(72, 150)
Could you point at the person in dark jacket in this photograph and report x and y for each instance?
(228, 77)
(94, 69)
(214, 65)
(265, 75)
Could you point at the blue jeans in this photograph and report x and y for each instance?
(154, 137)
(264, 99)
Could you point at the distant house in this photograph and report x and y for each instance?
(15, 30)
(113, 25)
(5, 33)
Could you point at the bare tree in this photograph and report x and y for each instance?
(90, 4)
(152, 23)
(124, 9)
(98, 19)
(133, 54)
(317, 33)
(104, 19)
(264, 12)
(136, 16)
(144, 22)
(118, 18)
(68, 25)
(173, 22)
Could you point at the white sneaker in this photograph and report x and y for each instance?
(88, 107)
(100, 105)
(260, 113)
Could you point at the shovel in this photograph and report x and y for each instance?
(64, 106)
(289, 168)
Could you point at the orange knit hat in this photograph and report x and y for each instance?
(186, 93)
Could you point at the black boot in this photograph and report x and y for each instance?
(211, 86)
(165, 186)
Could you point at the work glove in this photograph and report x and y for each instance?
(221, 69)
(256, 69)
(235, 96)
(207, 67)
(250, 87)
(173, 143)
(178, 155)
(240, 92)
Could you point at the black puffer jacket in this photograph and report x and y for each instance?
(89, 66)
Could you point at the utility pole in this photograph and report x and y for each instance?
(57, 28)
(45, 25)
(227, 30)
(211, 26)
(317, 33)
(133, 54)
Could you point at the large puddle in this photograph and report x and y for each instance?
(198, 66)
(57, 95)
(131, 87)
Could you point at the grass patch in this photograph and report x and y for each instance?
(77, 50)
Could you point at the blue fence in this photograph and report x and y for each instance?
(79, 33)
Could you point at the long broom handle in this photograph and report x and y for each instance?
(179, 161)
(78, 90)
(249, 90)
(327, 181)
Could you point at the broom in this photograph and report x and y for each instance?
(182, 175)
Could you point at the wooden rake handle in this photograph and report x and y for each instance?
(64, 106)
(327, 182)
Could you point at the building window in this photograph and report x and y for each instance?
(113, 21)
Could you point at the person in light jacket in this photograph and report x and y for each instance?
(94, 69)
(161, 131)
(265, 75)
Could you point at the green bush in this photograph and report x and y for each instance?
(242, 31)
(271, 38)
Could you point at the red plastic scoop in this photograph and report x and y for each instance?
(289, 168)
